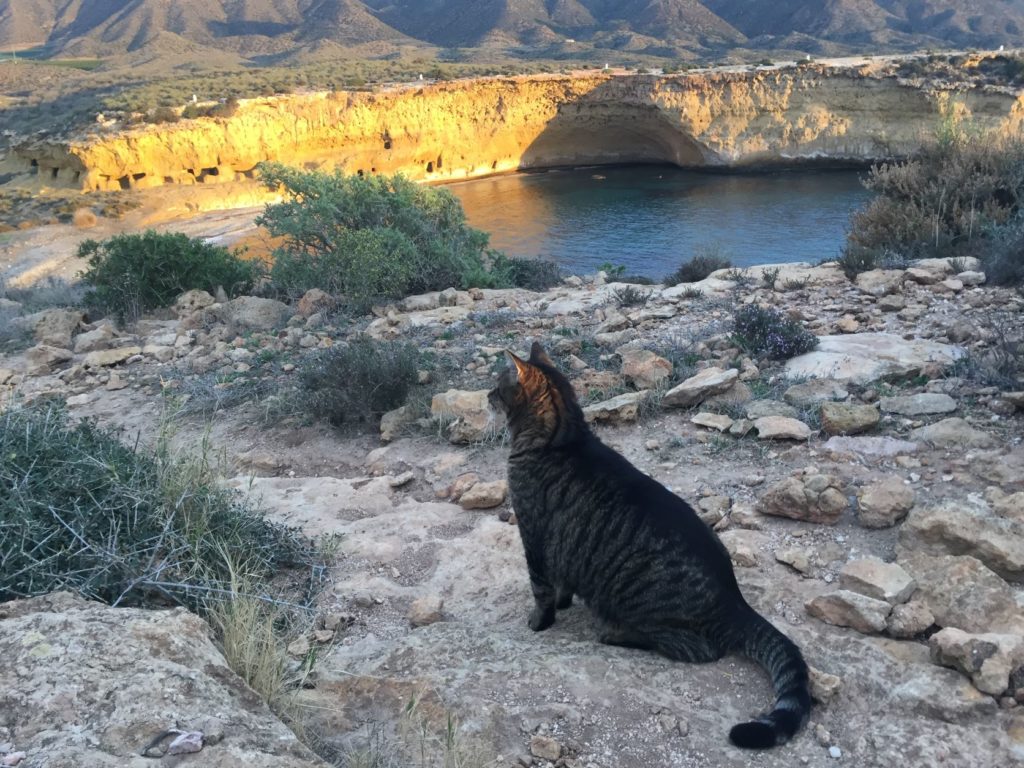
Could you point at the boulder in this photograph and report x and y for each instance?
(923, 404)
(961, 592)
(957, 529)
(781, 428)
(862, 358)
(94, 685)
(848, 418)
(813, 498)
(314, 300)
(988, 659)
(623, 408)
(710, 381)
(953, 433)
(878, 579)
(99, 337)
(885, 503)
(393, 422)
(485, 495)
(643, 368)
(52, 327)
(43, 359)
(880, 282)
(466, 414)
(253, 313)
(849, 609)
(191, 302)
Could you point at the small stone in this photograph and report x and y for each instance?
(485, 495)
(545, 748)
(115, 382)
(814, 392)
(781, 428)
(909, 620)
(816, 498)
(760, 408)
(718, 421)
(625, 407)
(796, 557)
(43, 359)
(186, 743)
(953, 433)
(394, 422)
(710, 381)
(923, 404)
(105, 357)
(847, 418)
(849, 609)
(835, 752)
(323, 636)
(643, 368)
(403, 479)
(462, 484)
(824, 687)
(13, 758)
(885, 503)
(299, 647)
(878, 579)
(848, 324)
(425, 611)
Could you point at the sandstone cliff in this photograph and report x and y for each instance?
(458, 130)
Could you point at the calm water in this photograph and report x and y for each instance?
(651, 218)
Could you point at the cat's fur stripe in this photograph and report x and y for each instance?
(652, 573)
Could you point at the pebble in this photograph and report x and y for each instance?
(835, 752)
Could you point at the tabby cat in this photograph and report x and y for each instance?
(652, 573)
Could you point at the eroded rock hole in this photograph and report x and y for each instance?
(430, 167)
(125, 182)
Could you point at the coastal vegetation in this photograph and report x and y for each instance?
(961, 195)
(132, 273)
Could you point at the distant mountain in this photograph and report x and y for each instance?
(248, 28)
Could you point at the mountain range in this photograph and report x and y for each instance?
(548, 28)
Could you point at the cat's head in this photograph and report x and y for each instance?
(537, 399)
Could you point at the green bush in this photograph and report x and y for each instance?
(698, 267)
(370, 237)
(357, 383)
(763, 332)
(130, 274)
(951, 199)
(82, 511)
(531, 274)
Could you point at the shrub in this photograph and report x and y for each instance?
(1003, 256)
(359, 382)
(698, 267)
(84, 512)
(370, 237)
(130, 274)
(763, 332)
(164, 115)
(629, 296)
(531, 274)
(951, 199)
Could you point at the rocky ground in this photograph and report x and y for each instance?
(871, 493)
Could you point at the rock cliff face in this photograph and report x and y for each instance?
(448, 131)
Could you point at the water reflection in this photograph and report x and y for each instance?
(650, 218)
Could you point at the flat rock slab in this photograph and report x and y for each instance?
(781, 428)
(710, 381)
(924, 404)
(869, 447)
(954, 433)
(625, 407)
(850, 609)
(861, 358)
(718, 421)
(86, 684)
(878, 579)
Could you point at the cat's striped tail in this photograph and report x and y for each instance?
(780, 657)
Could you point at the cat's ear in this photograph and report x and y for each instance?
(519, 366)
(538, 355)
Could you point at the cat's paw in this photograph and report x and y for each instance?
(541, 618)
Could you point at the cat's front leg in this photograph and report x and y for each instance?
(543, 614)
(563, 597)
